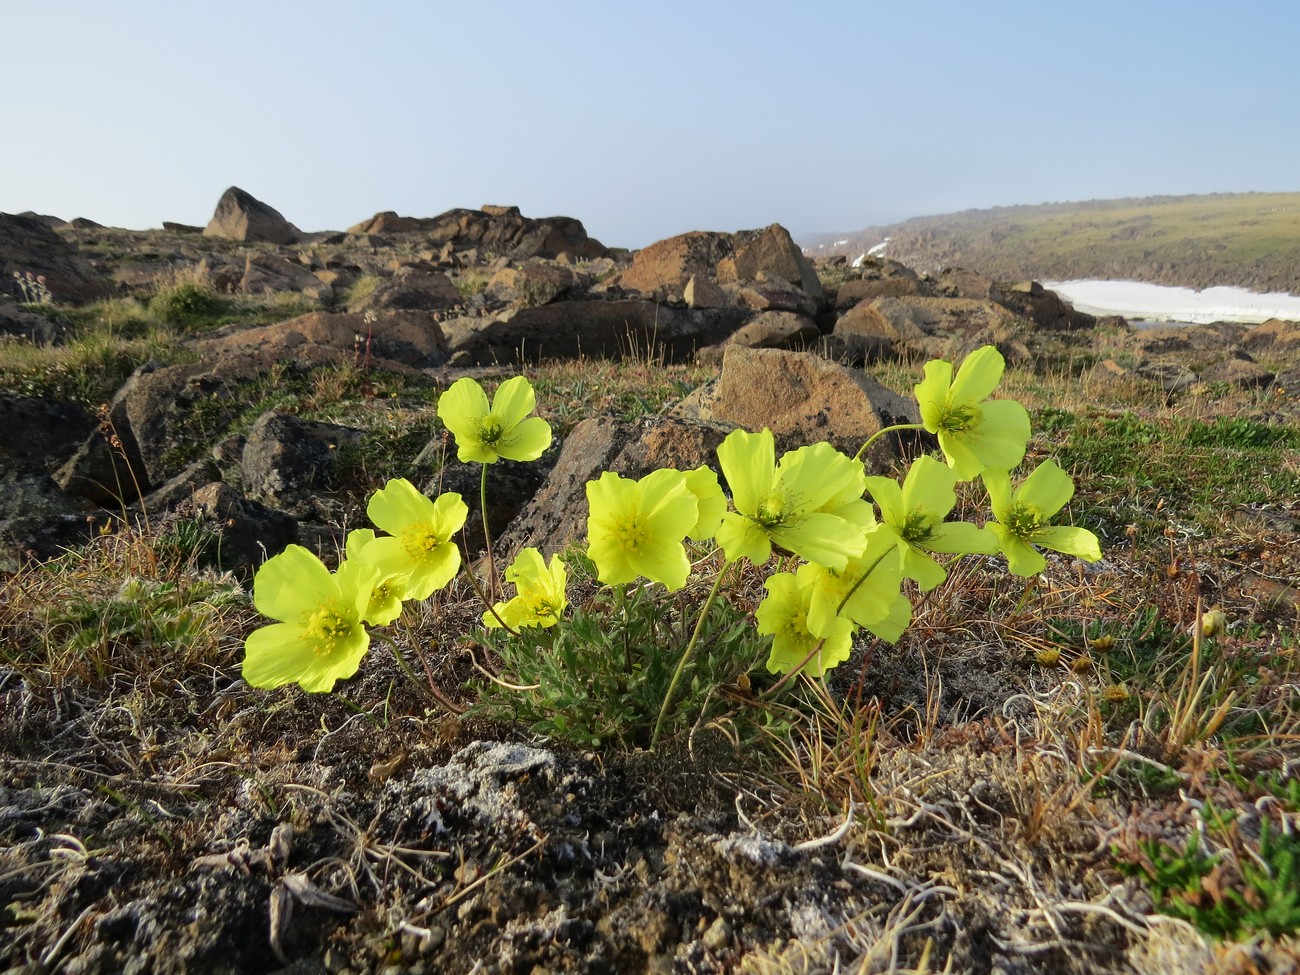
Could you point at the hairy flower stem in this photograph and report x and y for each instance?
(487, 539)
(880, 433)
(478, 590)
(687, 654)
(430, 690)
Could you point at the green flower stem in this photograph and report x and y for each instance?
(428, 688)
(487, 539)
(686, 656)
(880, 433)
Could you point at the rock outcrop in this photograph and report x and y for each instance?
(241, 216)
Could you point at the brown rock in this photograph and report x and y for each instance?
(532, 284)
(804, 399)
(396, 340)
(851, 293)
(664, 268)
(774, 252)
(241, 216)
(931, 327)
(701, 291)
(1238, 370)
(769, 330)
(1274, 335)
(413, 287)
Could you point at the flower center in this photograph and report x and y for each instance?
(491, 429)
(917, 527)
(326, 629)
(632, 534)
(420, 541)
(959, 419)
(771, 511)
(1024, 520)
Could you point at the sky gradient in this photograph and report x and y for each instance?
(642, 120)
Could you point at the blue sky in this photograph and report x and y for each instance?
(641, 119)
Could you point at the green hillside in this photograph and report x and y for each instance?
(1246, 239)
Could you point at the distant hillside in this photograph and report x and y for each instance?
(1250, 240)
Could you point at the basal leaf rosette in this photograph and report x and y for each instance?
(540, 597)
(783, 615)
(1024, 514)
(914, 514)
(635, 528)
(320, 637)
(974, 432)
(810, 503)
(505, 429)
(420, 542)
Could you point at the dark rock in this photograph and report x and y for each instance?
(501, 230)
(181, 228)
(769, 330)
(601, 329)
(29, 246)
(664, 268)
(289, 462)
(393, 340)
(249, 532)
(412, 287)
(772, 252)
(1044, 308)
(40, 434)
(557, 513)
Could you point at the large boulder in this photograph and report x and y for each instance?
(1044, 308)
(664, 268)
(769, 330)
(599, 329)
(294, 464)
(413, 287)
(396, 341)
(241, 216)
(40, 434)
(772, 252)
(803, 398)
(557, 513)
(29, 247)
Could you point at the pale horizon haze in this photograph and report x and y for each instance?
(644, 120)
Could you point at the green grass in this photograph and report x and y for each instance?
(1131, 463)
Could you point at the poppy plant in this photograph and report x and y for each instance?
(419, 544)
(539, 588)
(810, 503)
(1023, 517)
(319, 637)
(505, 429)
(783, 615)
(635, 528)
(974, 433)
(914, 514)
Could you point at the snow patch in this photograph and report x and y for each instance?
(1161, 303)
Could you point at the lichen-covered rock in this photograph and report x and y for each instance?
(241, 216)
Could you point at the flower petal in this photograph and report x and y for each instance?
(513, 400)
(291, 583)
(961, 538)
(932, 393)
(1022, 559)
(462, 407)
(742, 538)
(1070, 541)
(1047, 488)
(977, 377)
(748, 462)
(526, 440)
